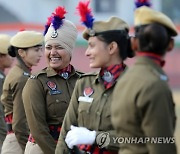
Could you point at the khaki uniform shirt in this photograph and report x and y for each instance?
(2, 122)
(12, 101)
(46, 97)
(143, 107)
(92, 112)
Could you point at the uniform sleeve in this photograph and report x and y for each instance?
(2, 125)
(69, 119)
(2, 122)
(6, 97)
(157, 112)
(35, 109)
(19, 124)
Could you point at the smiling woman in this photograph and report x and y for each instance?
(56, 56)
(47, 94)
(88, 115)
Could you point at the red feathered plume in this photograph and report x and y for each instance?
(85, 13)
(60, 12)
(48, 23)
(56, 18)
(49, 20)
(22, 29)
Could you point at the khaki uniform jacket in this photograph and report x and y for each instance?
(2, 122)
(142, 106)
(93, 114)
(12, 101)
(46, 98)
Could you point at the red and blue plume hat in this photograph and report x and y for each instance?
(56, 19)
(85, 13)
(48, 23)
(140, 3)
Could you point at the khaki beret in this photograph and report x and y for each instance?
(145, 15)
(113, 23)
(4, 43)
(26, 39)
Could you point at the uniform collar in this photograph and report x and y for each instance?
(66, 69)
(155, 57)
(154, 66)
(99, 80)
(51, 72)
(23, 67)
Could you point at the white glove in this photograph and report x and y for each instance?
(79, 135)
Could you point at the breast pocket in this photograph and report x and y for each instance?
(56, 105)
(106, 117)
(84, 113)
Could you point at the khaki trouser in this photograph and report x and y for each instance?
(32, 148)
(11, 145)
(0, 146)
(2, 127)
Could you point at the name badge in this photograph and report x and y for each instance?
(85, 99)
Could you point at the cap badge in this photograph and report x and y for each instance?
(92, 32)
(54, 34)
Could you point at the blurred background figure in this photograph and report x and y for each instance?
(144, 107)
(26, 46)
(5, 62)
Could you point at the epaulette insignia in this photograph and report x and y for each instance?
(1, 76)
(32, 77)
(163, 77)
(26, 74)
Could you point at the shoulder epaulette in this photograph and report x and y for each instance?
(89, 74)
(36, 74)
(160, 76)
(79, 73)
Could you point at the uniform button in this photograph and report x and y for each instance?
(98, 113)
(105, 94)
(57, 100)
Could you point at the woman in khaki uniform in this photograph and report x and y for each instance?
(26, 46)
(143, 110)
(5, 62)
(47, 94)
(87, 119)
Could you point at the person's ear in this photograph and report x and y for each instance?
(170, 45)
(113, 46)
(22, 53)
(134, 44)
